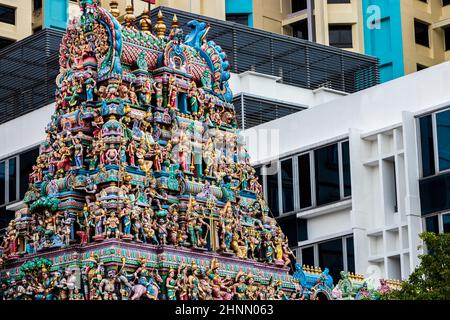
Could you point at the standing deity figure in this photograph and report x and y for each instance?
(173, 93)
(182, 284)
(148, 91)
(99, 216)
(227, 226)
(158, 94)
(78, 152)
(91, 86)
(183, 147)
(112, 226)
(193, 97)
(161, 225)
(126, 220)
(131, 149)
(171, 285)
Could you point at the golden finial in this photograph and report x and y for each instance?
(146, 23)
(160, 27)
(129, 17)
(114, 5)
(175, 23)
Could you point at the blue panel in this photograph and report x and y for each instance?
(56, 13)
(383, 36)
(240, 6)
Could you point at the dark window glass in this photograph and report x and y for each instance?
(443, 139)
(346, 169)
(37, 4)
(7, 14)
(421, 33)
(2, 182)
(5, 217)
(341, 36)
(287, 185)
(304, 181)
(338, 1)
(300, 29)
(299, 5)
(12, 179)
(327, 174)
(350, 255)
(445, 3)
(308, 256)
(447, 38)
(426, 143)
(237, 18)
(289, 227)
(272, 193)
(27, 160)
(431, 224)
(446, 223)
(5, 42)
(302, 230)
(331, 257)
(420, 67)
(435, 194)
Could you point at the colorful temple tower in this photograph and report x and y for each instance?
(142, 188)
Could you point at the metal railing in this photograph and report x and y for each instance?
(28, 69)
(298, 62)
(253, 110)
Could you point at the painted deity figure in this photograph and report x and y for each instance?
(112, 226)
(240, 286)
(78, 152)
(126, 219)
(158, 94)
(171, 285)
(173, 93)
(91, 86)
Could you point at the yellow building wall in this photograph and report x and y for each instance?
(414, 53)
(23, 26)
(326, 14)
(269, 14)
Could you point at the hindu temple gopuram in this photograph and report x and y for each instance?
(143, 188)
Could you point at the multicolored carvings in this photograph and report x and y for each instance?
(143, 188)
(142, 154)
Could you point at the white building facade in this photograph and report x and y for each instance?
(358, 178)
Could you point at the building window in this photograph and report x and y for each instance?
(300, 29)
(37, 4)
(7, 14)
(338, 1)
(272, 193)
(331, 256)
(443, 139)
(327, 174)
(299, 5)
(426, 143)
(340, 36)
(335, 254)
(14, 173)
(420, 67)
(446, 223)
(421, 33)
(304, 180)
(447, 38)
(314, 178)
(241, 18)
(346, 169)
(287, 185)
(307, 254)
(445, 3)
(432, 224)
(5, 42)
